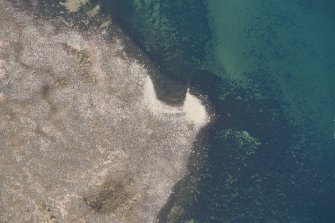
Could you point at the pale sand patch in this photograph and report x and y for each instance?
(74, 5)
(193, 109)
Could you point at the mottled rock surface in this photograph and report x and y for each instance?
(83, 137)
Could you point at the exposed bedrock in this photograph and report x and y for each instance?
(83, 137)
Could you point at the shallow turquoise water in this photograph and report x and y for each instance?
(267, 71)
(292, 41)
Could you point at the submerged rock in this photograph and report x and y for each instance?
(83, 137)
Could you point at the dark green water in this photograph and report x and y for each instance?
(266, 69)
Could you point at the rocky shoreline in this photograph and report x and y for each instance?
(81, 138)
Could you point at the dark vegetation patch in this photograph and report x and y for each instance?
(115, 197)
